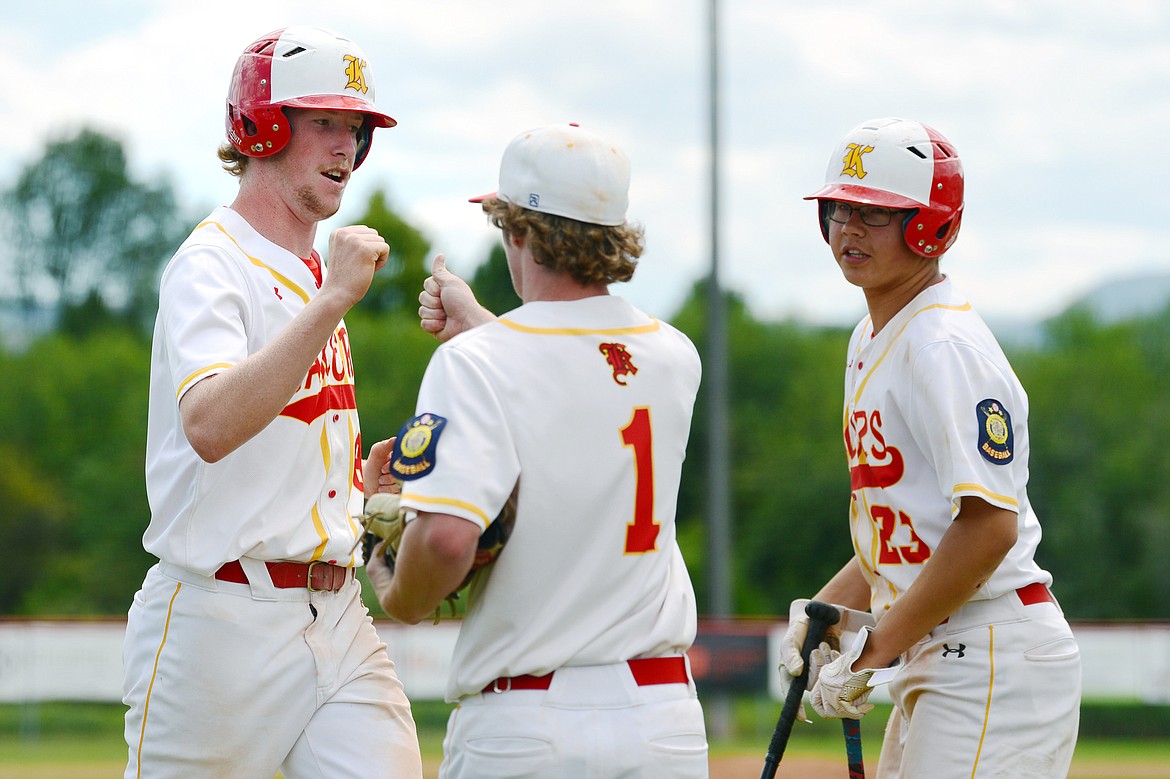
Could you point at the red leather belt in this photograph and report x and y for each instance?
(1034, 593)
(317, 576)
(647, 670)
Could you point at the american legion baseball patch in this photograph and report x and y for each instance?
(996, 442)
(414, 452)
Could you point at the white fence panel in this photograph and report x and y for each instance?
(81, 660)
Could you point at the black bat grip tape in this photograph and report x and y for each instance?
(821, 616)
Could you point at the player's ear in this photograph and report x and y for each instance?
(515, 240)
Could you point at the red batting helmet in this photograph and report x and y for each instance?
(298, 67)
(898, 163)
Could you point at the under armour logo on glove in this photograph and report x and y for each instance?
(947, 650)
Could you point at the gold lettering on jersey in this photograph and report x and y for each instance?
(993, 454)
(411, 469)
(853, 163)
(355, 456)
(328, 385)
(892, 527)
(619, 360)
(355, 72)
(871, 462)
(874, 464)
(334, 365)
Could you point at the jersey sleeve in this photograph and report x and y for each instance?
(475, 465)
(961, 416)
(204, 314)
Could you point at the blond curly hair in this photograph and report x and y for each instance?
(590, 253)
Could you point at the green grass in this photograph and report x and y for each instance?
(61, 748)
(84, 740)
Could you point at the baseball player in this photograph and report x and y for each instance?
(936, 432)
(570, 661)
(248, 650)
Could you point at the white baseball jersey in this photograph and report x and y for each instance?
(588, 404)
(248, 679)
(226, 293)
(933, 412)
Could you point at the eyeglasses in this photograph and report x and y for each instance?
(873, 216)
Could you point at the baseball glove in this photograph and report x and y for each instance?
(384, 522)
(493, 540)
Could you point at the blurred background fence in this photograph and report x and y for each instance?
(81, 660)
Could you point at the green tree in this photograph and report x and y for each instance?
(78, 421)
(390, 354)
(789, 485)
(492, 283)
(1098, 423)
(89, 235)
(31, 525)
(73, 421)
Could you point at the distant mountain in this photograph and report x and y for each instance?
(1114, 301)
(1130, 298)
(1016, 332)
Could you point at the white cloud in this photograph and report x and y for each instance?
(1052, 106)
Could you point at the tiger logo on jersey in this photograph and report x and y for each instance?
(996, 442)
(619, 360)
(414, 452)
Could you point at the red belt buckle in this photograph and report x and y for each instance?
(317, 576)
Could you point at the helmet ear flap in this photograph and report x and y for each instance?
(948, 232)
(365, 137)
(927, 237)
(261, 134)
(823, 208)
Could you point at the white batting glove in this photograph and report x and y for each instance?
(790, 659)
(840, 691)
(791, 663)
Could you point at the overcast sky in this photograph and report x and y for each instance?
(1059, 110)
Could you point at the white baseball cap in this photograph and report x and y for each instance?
(566, 171)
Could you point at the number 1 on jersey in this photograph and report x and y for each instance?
(642, 533)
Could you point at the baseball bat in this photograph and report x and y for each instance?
(821, 616)
(852, 730)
